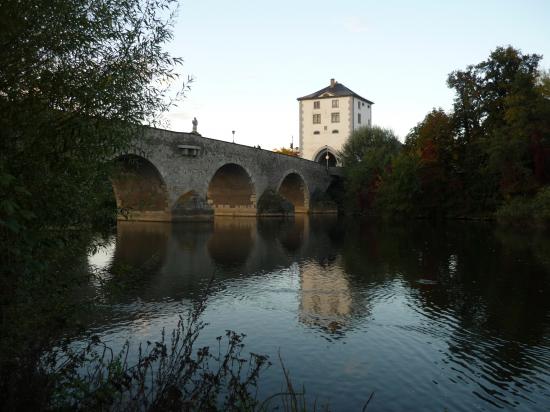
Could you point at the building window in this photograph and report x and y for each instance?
(317, 104)
(316, 118)
(335, 117)
(316, 132)
(335, 131)
(358, 105)
(359, 118)
(369, 122)
(335, 104)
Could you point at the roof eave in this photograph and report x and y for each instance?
(332, 97)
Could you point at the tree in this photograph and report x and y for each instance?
(78, 79)
(432, 142)
(502, 123)
(366, 157)
(400, 192)
(540, 143)
(288, 152)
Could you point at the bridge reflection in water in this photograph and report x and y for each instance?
(456, 316)
(178, 260)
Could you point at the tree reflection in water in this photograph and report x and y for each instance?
(469, 303)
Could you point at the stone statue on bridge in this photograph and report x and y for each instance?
(195, 123)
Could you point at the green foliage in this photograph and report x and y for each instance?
(77, 79)
(432, 143)
(367, 156)
(525, 209)
(493, 147)
(375, 142)
(503, 127)
(322, 202)
(169, 374)
(286, 151)
(271, 202)
(400, 190)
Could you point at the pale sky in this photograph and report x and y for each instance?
(251, 60)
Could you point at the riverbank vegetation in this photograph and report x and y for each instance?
(489, 157)
(76, 77)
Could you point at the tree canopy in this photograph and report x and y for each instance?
(367, 157)
(78, 79)
(288, 151)
(492, 148)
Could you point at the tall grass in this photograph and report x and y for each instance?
(169, 374)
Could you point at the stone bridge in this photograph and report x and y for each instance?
(172, 176)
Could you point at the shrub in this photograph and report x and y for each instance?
(170, 374)
(535, 210)
(272, 202)
(322, 202)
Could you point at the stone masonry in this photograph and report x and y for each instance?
(178, 176)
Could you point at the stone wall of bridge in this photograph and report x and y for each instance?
(172, 176)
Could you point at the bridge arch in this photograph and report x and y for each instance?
(231, 191)
(294, 188)
(140, 190)
(321, 156)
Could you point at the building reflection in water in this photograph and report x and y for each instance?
(325, 296)
(472, 300)
(179, 260)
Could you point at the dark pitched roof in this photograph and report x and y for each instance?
(334, 90)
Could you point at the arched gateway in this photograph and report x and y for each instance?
(326, 157)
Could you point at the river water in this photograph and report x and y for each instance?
(429, 317)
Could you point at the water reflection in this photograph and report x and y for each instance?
(232, 241)
(142, 245)
(325, 296)
(292, 236)
(453, 316)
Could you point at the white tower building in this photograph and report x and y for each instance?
(327, 118)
